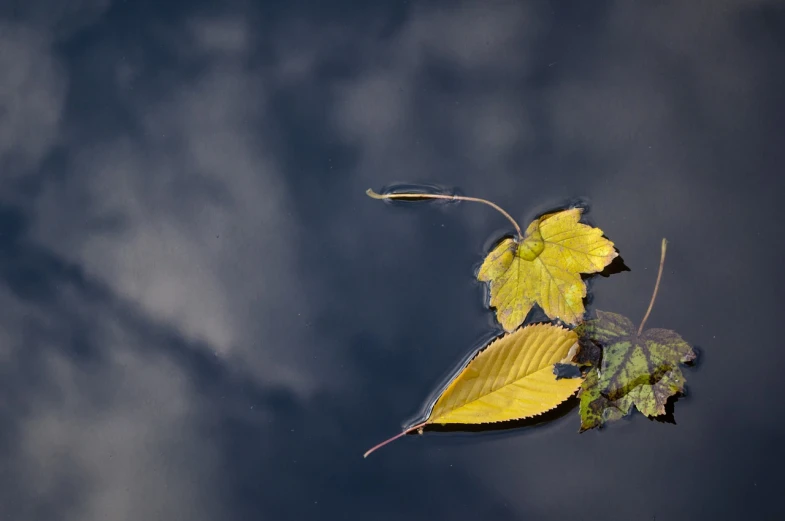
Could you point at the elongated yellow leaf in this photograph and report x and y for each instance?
(513, 378)
(545, 268)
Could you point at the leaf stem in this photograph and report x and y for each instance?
(496, 207)
(385, 442)
(656, 287)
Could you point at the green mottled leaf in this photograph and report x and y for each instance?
(596, 408)
(641, 370)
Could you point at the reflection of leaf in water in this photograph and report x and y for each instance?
(545, 268)
(512, 378)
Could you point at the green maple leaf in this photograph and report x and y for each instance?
(640, 369)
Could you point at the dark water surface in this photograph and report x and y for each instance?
(204, 317)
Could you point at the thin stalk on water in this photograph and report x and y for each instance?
(496, 207)
(404, 433)
(656, 287)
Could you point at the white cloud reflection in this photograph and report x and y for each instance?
(183, 219)
(203, 238)
(32, 91)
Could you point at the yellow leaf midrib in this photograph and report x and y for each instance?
(485, 395)
(563, 295)
(485, 400)
(556, 244)
(515, 283)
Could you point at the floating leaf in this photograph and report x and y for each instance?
(636, 369)
(545, 268)
(512, 378)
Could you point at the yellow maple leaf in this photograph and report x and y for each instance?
(545, 268)
(512, 378)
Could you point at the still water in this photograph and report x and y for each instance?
(204, 316)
